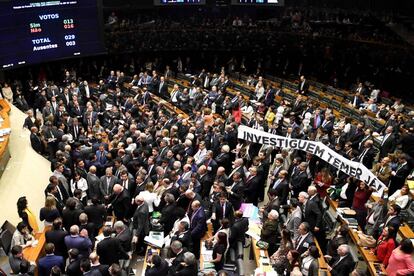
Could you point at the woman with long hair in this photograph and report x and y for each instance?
(323, 181)
(293, 258)
(279, 258)
(361, 196)
(385, 245)
(401, 262)
(219, 251)
(401, 197)
(49, 212)
(26, 215)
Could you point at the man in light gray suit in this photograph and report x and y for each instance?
(94, 184)
(107, 183)
(294, 218)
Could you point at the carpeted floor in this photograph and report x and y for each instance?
(26, 174)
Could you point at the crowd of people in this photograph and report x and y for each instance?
(115, 151)
(333, 47)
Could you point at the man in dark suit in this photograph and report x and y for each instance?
(80, 242)
(198, 225)
(73, 268)
(163, 89)
(355, 135)
(252, 186)
(140, 226)
(272, 204)
(367, 154)
(393, 217)
(35, 140)
(269, 99)
(96, 266)
(109, 249)
(183, 235)
(281, 187)
(236, 191)
(205, 179)
(343, 264)
(399, 176)
(238, 229)
(120, 202)
(310, 212)
(46, 263)
(221, 209)
(96, 213)
(159, 267)
(299, 180)
(178, 251)
(388, 143)
(305, 238)
(303, 86)
(124, 235)
(57, 237)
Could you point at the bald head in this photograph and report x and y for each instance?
(117, 189)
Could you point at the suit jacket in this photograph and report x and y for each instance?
(141, 221)
(94, 184)
(168, 217)
(198, 225)
(218, 210)
(394, 222)
(397, 181)
(382, 174)
(105, 186)
(236, 195)
(303, 89)
(343, 267)
(368, 158)
(84, 245)
(238, 230)
(283, 191)
(36, 143)
(312, 215)
(269, 232)
(302, 245)
(187, 270)
(125, 238)
(121, 204)
(70, 217)
(46, 263)
(388, 146)
(110, 251)
(293, 221)
(251, 189)
(157, 271)
(184, 238)
(73, 268)
(299, 182)
(96, 215)
(57, 237)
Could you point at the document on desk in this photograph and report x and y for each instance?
(155, 238)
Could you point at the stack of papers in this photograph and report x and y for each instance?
(155, 239)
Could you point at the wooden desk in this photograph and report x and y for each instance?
(4, 146)
(33, 254)
(257, 252)
(207, 236)
(366, 253)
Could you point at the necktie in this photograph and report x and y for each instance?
(277, 183)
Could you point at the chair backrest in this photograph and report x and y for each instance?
(7, 225)
(6, 238)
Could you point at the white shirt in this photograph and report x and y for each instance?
(151, 199)
(82, 185)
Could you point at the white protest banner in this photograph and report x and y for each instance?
(351, 168)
